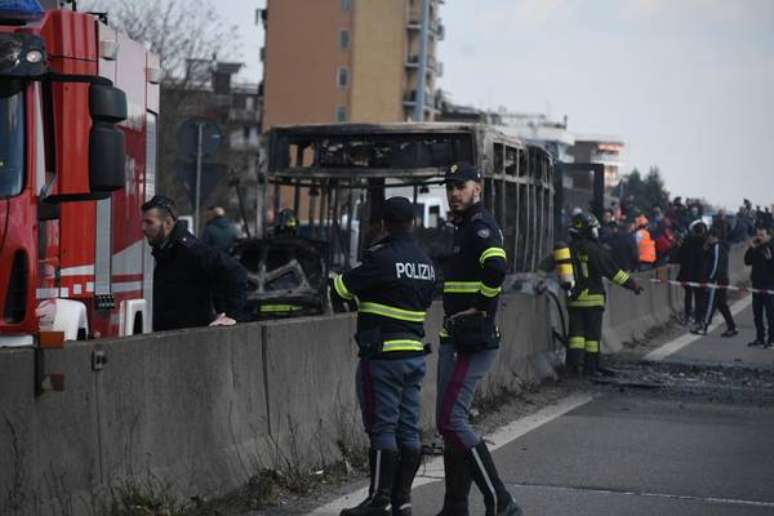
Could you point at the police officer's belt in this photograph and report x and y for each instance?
(471, 333)
(372, 342)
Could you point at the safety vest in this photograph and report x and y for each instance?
(647, 247)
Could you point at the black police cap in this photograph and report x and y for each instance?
(461, 172)
(398, 209)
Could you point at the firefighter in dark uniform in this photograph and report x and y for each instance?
(393, 288)
(586, 299)
(285, 227)
(193, 284)
(473, 277)
(287, 223)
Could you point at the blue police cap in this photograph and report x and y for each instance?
(398, 209)
(461, 172)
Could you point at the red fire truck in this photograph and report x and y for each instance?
(79, 108)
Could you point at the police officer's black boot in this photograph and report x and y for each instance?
(410, 459)
(497, 500)
(457, 481)
(383, 465)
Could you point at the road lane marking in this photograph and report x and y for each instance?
(672, 347)
(705, 499)
(432, 470)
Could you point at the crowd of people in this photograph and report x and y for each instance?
(698, 241)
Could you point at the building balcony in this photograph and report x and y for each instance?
(607, 159)
(437, 29)
(244, 144)
(433, 65)
(220, 101)
(410, 101)
(244, 115)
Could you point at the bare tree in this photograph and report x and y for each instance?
(179, 32)
(188, 36)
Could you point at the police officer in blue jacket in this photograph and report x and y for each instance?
(473, 278)
(393, 288)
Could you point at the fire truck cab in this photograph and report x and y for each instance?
(79, 108)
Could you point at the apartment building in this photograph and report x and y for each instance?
(348, 60)
(606, 150)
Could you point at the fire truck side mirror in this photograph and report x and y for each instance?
(107, 143)
(107, 104)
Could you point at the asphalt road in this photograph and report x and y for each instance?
(632, 455)
(733, 351)
(643, 452)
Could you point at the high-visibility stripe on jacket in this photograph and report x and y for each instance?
(592, 262)
(475, 271)
(393, 288)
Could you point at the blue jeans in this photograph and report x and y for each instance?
(389, 396)
(458, 376)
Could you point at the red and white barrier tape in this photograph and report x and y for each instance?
(712, 286)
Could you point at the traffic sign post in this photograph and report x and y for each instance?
(199, 138)
(198, 198)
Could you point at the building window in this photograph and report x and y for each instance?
(238, 102)
(343, 39)
(246, 132)
(346, 5)
(342, 77)
(341, 113)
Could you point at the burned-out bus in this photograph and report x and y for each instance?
(336, 177)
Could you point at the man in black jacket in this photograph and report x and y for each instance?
(623, 247)
(691, 260)
(607, 227)
(219, 232)
(760, 256)
(193, 284)
(716, 266)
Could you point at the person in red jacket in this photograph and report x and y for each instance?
(665, 242)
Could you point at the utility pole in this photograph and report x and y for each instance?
(197, 199)
(260, 199)
(419, 108)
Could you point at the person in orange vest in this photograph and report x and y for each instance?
(645, 243)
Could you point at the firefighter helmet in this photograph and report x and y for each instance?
(287, 223)
(585, 225)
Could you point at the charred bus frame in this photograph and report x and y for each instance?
(336, 175)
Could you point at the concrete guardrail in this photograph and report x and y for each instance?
(203, 410)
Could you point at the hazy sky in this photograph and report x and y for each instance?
(687, 84)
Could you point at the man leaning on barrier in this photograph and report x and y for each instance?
(193, 284)
(394, 286)
(473, 277)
